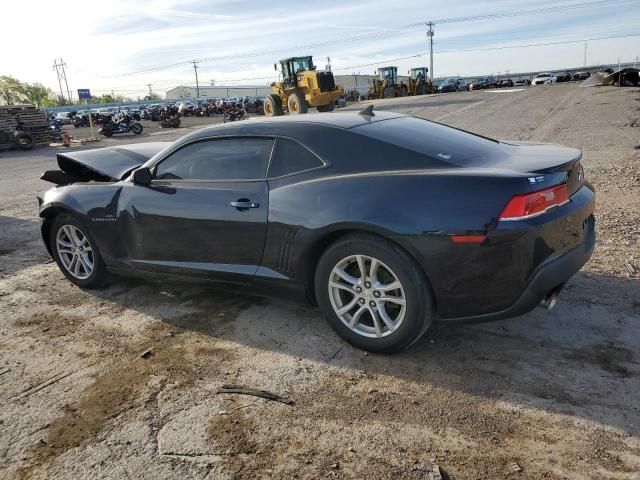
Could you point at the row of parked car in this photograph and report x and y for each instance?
(544, 78)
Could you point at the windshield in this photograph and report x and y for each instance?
(544, 75)
(301, 64)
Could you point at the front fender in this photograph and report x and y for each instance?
(93, 204)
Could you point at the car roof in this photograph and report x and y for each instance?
(344, 120)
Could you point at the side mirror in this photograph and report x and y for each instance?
(141, 176)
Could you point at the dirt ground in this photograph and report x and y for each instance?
(556, 393)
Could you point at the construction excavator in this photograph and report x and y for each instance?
(419, 83)
(387, 85)
(302, 87)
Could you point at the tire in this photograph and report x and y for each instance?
(98, 274)
(136, 128)
(24, 141)
(175, 123)
(412, 319)
(273, 105)
(297, 104)
(327, 108)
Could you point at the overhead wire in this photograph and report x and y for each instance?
(386, 32)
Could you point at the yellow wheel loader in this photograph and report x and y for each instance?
(387, 85)
(419, 82)
(302, 87)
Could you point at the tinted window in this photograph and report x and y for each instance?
(439, 142)
(228, 159)
(291, 157)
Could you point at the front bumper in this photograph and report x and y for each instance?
(550, 275)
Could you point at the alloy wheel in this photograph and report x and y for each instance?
(367, 296)
(75, 252)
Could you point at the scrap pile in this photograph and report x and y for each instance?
(26, 119)
(8, 125)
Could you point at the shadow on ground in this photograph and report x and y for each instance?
(579, 359)
(20, 245)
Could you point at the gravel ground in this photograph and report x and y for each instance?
(556, 393)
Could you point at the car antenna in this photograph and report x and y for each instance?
(367, 111)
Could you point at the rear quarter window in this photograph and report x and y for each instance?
(291, 157)
(438, 142)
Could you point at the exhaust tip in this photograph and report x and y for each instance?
(550, 300)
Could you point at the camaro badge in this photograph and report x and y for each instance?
(536, 179)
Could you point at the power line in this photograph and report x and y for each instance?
(386, 32)
(502, 47)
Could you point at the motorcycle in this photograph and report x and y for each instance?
(234, 114)
(81, 121)
(121, 124)
(170, 122)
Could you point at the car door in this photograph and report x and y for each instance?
(204, 214)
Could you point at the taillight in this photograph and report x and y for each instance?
(533, 204)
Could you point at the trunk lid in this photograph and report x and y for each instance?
(551, 164)
(109, 164)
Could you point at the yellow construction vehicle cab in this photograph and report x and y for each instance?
(419, 82)
(302, 86)
(387, 85)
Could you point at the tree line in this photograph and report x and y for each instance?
(14, 91)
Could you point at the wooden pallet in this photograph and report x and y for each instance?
(28, 119)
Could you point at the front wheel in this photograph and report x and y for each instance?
(373, 294)
(76, 253)
(273, 105)
(136, 128)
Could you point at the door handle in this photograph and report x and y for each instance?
(244, 204)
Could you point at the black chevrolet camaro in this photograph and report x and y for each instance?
(385, 221)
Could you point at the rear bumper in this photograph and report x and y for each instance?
(552, 274)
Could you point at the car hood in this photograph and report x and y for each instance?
(109, 163)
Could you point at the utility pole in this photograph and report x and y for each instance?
(634, 62)
(585, 54)
(62, 77)
(430, 36)
(150, 91)
(195, 69)
(213, 82)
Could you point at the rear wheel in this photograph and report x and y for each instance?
(76, 253)
(136, 128)
(327, 108)
(297, 104)
(273, 105)
(373, 294)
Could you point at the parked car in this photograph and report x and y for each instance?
(504, 82)
(385, 221)
(563, 77)
(523, 82)
(580, 76)
(452, 85)
(64, 117)
(488, 82)
(544, 79)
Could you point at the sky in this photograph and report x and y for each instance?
(123, 46)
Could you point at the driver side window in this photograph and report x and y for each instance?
(225, 159)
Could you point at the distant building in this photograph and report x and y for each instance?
(189, 92)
